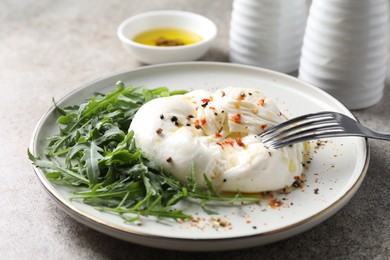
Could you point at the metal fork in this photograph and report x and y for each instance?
(316, 126)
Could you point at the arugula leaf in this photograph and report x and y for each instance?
(91, 156)
(93, 149)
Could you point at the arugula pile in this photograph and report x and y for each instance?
(94, 151)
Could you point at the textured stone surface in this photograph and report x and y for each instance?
(47, 49)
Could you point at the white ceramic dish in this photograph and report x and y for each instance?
(336, 170)
(196, 23)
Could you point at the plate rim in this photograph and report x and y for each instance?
(115, 230)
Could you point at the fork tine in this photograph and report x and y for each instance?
(331, 131)
(294, 128)
(277, 144)
(295, 120)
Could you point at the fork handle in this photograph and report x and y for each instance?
(376, 135)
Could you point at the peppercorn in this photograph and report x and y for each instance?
(296, 184)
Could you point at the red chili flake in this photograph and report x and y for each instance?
(228, 142)
(212, 108)
(275, 203)
(206, 100)
(218, 135)
(197, 124)
(263, 126)
(237, 118)
(297, 178)
(203, 121)
(239, 142)
(261, 102)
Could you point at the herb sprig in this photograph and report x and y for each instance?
(95, 152)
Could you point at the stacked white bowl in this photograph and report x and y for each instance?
(268, 33)
(345, 49)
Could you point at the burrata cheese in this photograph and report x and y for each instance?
(216, 132)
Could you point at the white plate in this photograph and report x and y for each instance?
(337, 169)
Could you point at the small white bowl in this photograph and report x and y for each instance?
(196, 23)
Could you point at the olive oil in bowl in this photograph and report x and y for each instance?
(167, 37)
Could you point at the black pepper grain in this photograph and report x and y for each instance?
(296, 184)
(169, 159)
(161, 116)
(159, 131)
(174, 119)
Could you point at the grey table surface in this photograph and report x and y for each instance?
(49, 48)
